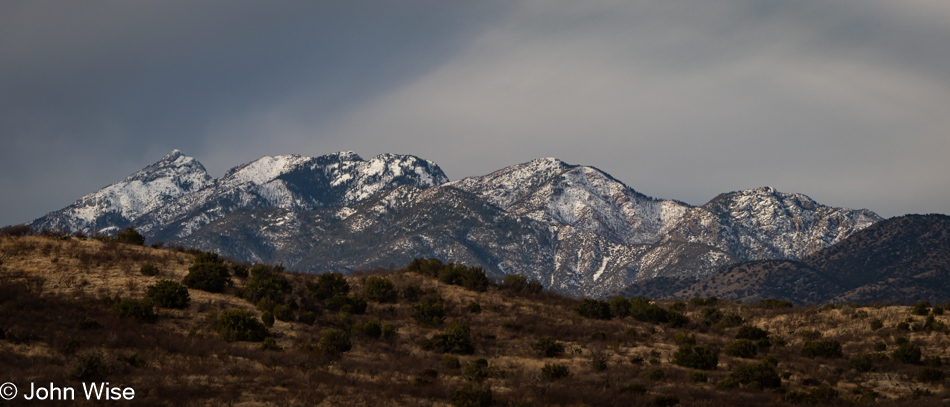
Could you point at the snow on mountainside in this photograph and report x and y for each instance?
(117, 205)
(763, 223)
(551, 191)
(574, 228)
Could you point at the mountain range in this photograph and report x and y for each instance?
(574, 228)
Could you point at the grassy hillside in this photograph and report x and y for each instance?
(67, 317)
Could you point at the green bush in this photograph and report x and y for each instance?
(643, 310)
(520, 284)
(334, 342)
(825, 349)
(379, 289)
(700, 357)
(742, 348)
(472, 395)
(555, 371)
(372, 329)
(267, 317)
(90, 366)
(907, 352)
(751, 333)
(476, 370)
(697, 376)
(546, 346)
(266, 282)
(619, 306)
(654, 375)
(590, 308)
(451, 362)
(665, 400)
(876, 324)
(138, 309)
(240, 325)
(307, 317)
(329, 285)
(456, 339)
(240, 270)
(389, 331)
(762, 373)
(130, 236)
(349, 305)
(862, 362)
(427, 267)
(472, 278)
(929, 374)
(429, 312)
(271, 345)
(283, 313)
(209, 275)
(774, 304)
(168, 294)
(921, 308)
(149, 270)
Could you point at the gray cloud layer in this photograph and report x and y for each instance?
(845, 101)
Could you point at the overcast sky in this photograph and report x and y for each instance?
(847, 101)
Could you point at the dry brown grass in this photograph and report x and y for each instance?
(47, 285)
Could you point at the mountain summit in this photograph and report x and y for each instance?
(574, 228)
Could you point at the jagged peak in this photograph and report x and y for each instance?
(345, 156)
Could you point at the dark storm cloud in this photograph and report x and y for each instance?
(843, 101)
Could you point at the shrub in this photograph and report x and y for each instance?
(937, 310)
(266, 282)
(862, 363)
(907, 352)
(379, 289)
(921, 308)
(762, 373)
(412, 293)
(138, 309)
(388, 331)
(427, 267)
(208, 275)
(752, 333)
(774, 304)
(929, 374)
(700, 357)
(619, 306)
(149, 269)
(350, 305)
(590, 308)
(825, 349)
(697, 376)
(334, 342)
(240, 270)
(876, 324)
(653, 375)
(665, 400)
(240, 325)
(476, 370)
(730, 320)
(168, 294)
(742, 348)
(456, 339)
(267, 317)
(372, 329)
(555, 371)
(546, 346)
(451, 362)
(472, 395)
(271, 345)
(130, 236)
(472, 278)
(473, 308)
(429, 312)
(90, 366)
(642, 310)
(329, 285)
(307, 317)
(514, 282)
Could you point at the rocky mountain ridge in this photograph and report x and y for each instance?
(574, 228)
